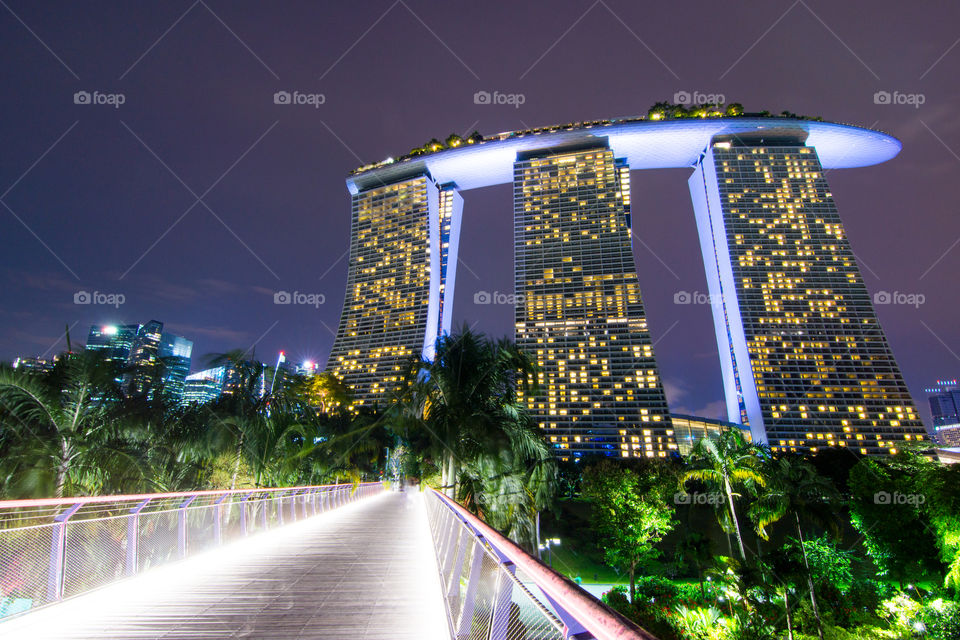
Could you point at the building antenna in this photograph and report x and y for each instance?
(67, 333)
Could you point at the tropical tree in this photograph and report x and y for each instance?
(465, 403)
(726, 464)
(61, 429)
(696, 549)
(796, 491)
(886, 508)
(631, 513)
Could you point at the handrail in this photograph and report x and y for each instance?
(46, 502)
(574, 604)
(56, 548)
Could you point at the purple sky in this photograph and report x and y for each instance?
(104, 199)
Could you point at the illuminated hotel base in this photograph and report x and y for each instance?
(805, 362)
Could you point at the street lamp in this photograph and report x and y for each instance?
(547, 544)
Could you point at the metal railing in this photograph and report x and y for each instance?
(51, 549)
(494, 590)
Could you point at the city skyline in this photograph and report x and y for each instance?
(284, 199)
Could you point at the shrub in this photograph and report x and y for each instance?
(941, 619)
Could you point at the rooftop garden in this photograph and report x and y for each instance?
(659, 111)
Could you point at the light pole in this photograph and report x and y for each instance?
(547, 544)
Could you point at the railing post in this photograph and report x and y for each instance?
(469, 599)
(454, 584)
(571, 626)
(243, 513)
(218, 519)
(500, 620)
(182, 526)
(58, 550)
(133, 537)
(278, 496)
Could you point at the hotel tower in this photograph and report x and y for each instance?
(805, 364)
(579, 313)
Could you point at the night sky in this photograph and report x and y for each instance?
(199, 197)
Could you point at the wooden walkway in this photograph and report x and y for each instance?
(366, 570)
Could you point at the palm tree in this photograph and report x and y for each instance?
(63, 423)
(465, 402)
(726, 463)
(795, 490)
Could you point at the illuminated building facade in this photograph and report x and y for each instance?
(945, 411)
(805, 362)
(689, 429)
(579, 313)
(403, 255)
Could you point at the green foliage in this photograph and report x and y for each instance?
(464, 412)
(725, 465)
(631, 513)
(941, 619)
(886, 508)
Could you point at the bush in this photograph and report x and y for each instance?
(651, 589)
(941, 619)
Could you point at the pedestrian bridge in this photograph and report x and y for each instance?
(303, 562)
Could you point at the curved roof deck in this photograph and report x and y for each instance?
(646, 144)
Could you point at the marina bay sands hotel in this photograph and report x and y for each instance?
(805, 363)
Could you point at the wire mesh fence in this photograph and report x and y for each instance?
(58, 548)
(484, 598)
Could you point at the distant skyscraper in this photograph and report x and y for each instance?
(203, 386)
(145, 357)
(143, 364)
(174, 353)
(945, 409)
(579, 313)
(113, 341)
(34, 365)
(394, 300)
(805, 362)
